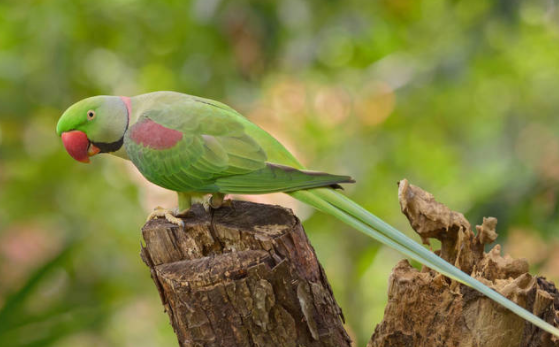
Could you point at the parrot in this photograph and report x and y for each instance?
(199, 147)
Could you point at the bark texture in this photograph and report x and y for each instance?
(242, 275)
(427, 309)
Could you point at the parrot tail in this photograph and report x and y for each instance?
(351, 213)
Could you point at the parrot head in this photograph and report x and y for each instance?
(94, 125)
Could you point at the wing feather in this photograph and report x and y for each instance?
(213, 145)
(190, 144)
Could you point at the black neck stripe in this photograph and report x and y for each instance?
(109, 147)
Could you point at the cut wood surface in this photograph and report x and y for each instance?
(427, 309)
(242, 275)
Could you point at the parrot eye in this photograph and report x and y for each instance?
(90, 114)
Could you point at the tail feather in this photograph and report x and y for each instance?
(343, 208)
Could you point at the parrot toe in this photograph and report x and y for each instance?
(171, 216)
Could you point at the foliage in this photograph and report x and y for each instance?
(455, 96)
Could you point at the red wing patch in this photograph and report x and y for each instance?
(156, 136)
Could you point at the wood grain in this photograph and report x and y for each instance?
(242, 275)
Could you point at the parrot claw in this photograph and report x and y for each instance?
(171, 216)
(206, 205)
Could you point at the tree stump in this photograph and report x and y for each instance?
(427, 309)
(242, 275)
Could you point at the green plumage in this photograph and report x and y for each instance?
(217, 151)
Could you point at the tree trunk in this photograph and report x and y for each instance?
(242, 275)
(427, 309)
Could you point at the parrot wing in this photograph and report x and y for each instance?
(192, 145)
(276, 178)
(188, 144)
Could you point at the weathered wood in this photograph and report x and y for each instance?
(427, 309)
(242, 275)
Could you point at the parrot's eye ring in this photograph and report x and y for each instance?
(90, 114)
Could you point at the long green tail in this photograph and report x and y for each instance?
(343, 208)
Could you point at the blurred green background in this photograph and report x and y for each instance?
(457, 96)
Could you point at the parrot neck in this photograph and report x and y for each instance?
(128, 104)
(118, 149)
(121, 153)
(117, 146)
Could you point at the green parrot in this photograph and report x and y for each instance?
(197, 146)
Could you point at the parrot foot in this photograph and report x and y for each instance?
(217, 200)
(171, 216)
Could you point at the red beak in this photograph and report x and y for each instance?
(78, 145)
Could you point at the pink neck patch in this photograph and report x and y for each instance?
(156, 136)
(128, 104)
